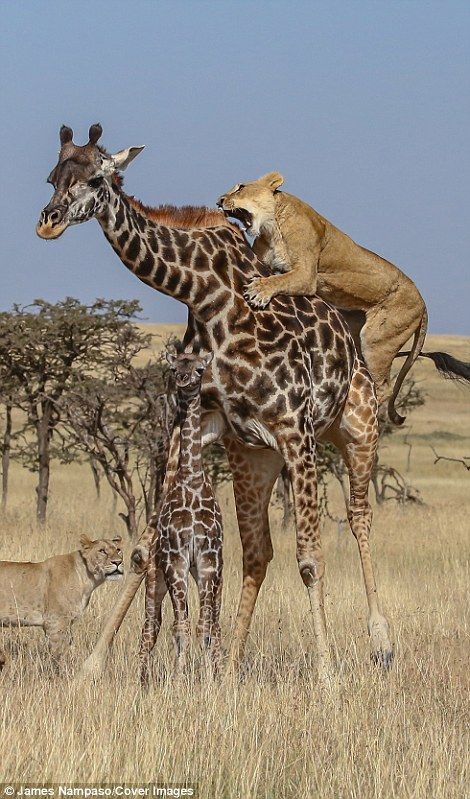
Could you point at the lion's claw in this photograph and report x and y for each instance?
(254, 294)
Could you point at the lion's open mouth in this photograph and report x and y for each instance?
(242, 215)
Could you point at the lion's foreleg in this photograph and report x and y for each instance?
(300, 281)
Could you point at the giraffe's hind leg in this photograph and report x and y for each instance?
(254, 474)
(155, 590)
(357, 439)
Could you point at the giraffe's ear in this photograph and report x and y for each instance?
(123, 158)
(170, 357)
(272, 180)
(207, 359)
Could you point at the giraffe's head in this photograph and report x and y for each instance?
(81, 179)
(187, 370)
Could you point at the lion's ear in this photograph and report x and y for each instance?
(272, 180)
(85, 542)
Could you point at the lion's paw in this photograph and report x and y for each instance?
(256, 295)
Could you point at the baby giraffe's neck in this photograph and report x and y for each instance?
(190, 459)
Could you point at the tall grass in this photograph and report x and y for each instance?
(274, 733)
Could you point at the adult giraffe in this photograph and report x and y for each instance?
(279, 381)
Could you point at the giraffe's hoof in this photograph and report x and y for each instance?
(383, 658)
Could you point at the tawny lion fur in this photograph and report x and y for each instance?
(315, 257)
(53, 593)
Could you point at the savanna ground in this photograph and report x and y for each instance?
(274, 734)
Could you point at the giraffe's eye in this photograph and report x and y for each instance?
(94, 183)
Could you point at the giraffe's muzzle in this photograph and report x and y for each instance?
(51, 223)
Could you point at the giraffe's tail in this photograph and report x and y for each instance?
(448, 366)
(418, 341)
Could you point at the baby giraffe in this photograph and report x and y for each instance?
(189, 533)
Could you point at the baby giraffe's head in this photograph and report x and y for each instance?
(187, 370)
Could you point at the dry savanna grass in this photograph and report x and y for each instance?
(275, 733)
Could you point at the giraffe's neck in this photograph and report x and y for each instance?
(190, 456)
(184, 264)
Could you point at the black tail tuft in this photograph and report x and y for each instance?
(448, 366)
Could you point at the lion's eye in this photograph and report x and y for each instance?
(103, 552)
(241, 186)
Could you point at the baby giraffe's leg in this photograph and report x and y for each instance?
(176, 578)
(155, 590)
(210, 593)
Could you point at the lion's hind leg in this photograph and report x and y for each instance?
(386, 329)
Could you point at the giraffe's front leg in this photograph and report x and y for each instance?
(254, 474)
(176, 578)
(209, 579)
(301, 466)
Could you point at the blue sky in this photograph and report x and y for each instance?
(363, 106)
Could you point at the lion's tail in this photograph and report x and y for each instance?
(415, 351)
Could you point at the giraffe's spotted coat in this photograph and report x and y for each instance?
(188, 536)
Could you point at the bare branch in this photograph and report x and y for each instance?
(462, 460)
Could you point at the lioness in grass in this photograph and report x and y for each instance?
(53, 593)
(315, 257)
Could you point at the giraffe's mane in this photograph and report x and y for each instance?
(186, 217)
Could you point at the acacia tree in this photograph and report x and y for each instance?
(44, 349)
(5, 445)
(123, 425)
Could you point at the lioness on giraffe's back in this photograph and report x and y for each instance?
(313, 257)
(53, 593)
